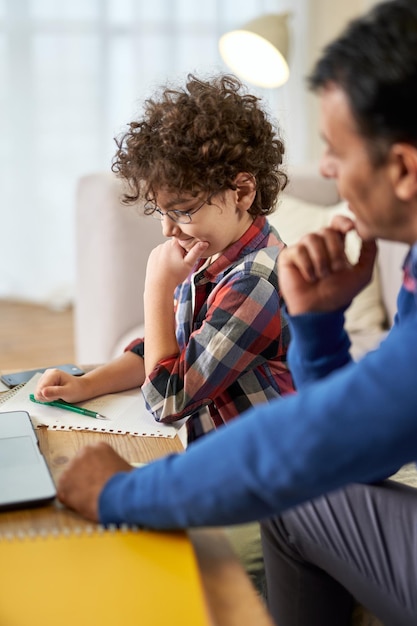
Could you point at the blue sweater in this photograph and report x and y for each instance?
(348, 422)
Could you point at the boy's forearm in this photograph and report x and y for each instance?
(125, 372)
(161, 341)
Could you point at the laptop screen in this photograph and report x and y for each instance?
(25, 480)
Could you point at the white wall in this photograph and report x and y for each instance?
(74, 73)
(326, 19)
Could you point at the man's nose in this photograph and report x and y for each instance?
(327, 166)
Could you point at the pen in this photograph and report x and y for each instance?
(61, 404)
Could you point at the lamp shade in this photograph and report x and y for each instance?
(258, 51)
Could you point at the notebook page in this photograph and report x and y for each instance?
(126, 413)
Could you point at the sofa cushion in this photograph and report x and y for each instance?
(294, 218)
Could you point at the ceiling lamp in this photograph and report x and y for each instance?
(257, 52)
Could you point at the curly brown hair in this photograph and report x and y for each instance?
(197, 139)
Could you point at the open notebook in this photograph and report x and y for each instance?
(126, 413)
(126, 577)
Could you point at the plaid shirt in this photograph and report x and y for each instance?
(232, 335)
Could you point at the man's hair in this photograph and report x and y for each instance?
(374, 61)
(197, 139)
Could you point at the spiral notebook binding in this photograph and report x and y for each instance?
(6, 395)
(90, 530)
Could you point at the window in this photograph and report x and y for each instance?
(73, 74)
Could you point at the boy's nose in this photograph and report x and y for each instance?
(169, 228)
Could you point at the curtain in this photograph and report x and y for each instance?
(72, 75)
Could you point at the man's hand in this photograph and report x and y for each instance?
(81, 483)
(315, 274)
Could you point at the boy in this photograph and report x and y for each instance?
(208, 164)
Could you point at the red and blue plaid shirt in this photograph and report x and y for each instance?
(232, 335)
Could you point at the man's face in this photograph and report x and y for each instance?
(366, 187)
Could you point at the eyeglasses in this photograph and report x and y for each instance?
(179, 217)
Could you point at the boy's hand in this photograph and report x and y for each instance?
(169, 264)
(55, 384)
(81, 483)
(315, 274)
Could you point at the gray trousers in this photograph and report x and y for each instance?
(358, 543)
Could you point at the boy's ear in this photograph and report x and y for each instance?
(246, 190)
(404, 171)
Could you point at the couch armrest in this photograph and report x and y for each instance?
(306, 183)
(113, 242)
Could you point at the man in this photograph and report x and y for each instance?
(349, 422)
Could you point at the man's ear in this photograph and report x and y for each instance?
(246, 190)
(404, 171)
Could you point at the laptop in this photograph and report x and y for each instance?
(25, 480)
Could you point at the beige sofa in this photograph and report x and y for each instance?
(113, 242)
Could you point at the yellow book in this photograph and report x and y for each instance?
(101, 578)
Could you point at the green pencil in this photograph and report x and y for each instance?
(61, 404)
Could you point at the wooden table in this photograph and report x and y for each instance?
(231, 599)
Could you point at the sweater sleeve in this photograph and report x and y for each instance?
(355, 424)
(319, 345)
